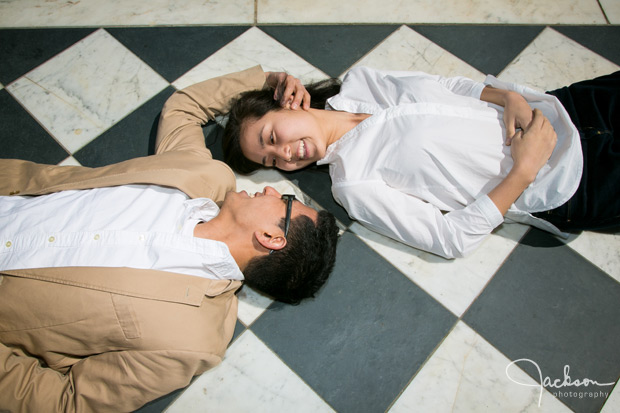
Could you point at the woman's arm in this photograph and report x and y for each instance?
(517, 112)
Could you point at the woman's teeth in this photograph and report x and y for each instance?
(301, 150)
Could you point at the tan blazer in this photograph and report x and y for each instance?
(111, 339)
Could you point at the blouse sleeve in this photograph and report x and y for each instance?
(417, 223)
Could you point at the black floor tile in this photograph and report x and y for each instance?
(172, 51)
(487, 48)
(132, 137)
(21, 50)
(316, 183)
(549, 305)
(333, 49)
(161, 404)
(213, 139)
(239, 329)
(358, 343)
(604, 40)
(21, 137)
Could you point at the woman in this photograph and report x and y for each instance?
(438, 162)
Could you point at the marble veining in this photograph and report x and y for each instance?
(69, 13)
(602, 250)
(254, 47)
(431, 11)
(405, 49)
(553, 60)
(250, 379)
(467, 374)
(61, 95)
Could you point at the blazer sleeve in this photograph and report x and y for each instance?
(187, 110)
(119, 381)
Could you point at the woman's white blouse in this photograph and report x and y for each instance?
(418, 170)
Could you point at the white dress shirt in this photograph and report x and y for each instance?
(419, 169)
(135, 226)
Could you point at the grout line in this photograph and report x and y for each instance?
(603, 11)
(255, 12)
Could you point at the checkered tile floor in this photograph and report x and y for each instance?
(394, 329)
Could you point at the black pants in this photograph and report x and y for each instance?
(594, 108)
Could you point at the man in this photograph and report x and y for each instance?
(117, 283)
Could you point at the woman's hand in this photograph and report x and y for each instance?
(532, 146)
(517, 114)
(289, 91)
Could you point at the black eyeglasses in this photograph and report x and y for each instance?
(289, 208)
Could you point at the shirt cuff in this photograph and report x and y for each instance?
(488, 209)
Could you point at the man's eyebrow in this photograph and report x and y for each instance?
(262, 143)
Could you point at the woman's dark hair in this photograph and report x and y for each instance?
(298, 270)
(254, 105)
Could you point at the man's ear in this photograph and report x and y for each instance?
(270, 241)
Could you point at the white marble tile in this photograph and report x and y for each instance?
(612, 405)
(252, 304)
(602, 250)
(454, 283)
(252, 48)
(405, 49)
(553, 60)
(87, 88)
(612, 11)
(467, 374)
(430, 11)
(70, 161)
(250, 379)
(63, 13)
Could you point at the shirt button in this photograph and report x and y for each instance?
(141, 237)
(96, 237)
(8, 244)
(51, 239)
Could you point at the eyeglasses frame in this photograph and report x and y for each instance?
(289, 209)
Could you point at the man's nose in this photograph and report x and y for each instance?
(271, 191)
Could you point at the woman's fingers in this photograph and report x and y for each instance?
(288, 90)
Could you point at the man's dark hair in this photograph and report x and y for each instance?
(298, 270)
(255, 104)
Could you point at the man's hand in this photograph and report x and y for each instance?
(289, 91)
(517, 114)
(532, 147)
